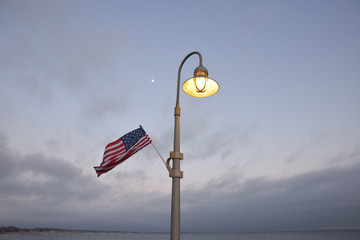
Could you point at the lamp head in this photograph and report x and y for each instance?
(200, 85)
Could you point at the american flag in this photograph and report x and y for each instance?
(118, 151)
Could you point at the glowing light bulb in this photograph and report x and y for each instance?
(200, 84)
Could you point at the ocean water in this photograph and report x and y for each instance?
(299, 235)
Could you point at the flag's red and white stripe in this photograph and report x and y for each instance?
(115, 153)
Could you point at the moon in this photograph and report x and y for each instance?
(152, 80)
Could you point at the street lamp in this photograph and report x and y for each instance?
(198, 86)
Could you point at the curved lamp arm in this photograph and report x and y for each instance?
(180, 67)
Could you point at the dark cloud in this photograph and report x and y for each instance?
(38, 184)
(36, 190)
(327, 198)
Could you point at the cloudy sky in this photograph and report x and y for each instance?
(278, 148)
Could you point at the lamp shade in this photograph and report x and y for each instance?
(200, 86)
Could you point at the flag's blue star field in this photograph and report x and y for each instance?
(131, 138)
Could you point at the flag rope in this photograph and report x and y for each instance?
(163, 160)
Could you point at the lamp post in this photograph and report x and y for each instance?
(198, 86)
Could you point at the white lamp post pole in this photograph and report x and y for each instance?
(208, 87)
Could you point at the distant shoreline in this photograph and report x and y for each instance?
(17, 230)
